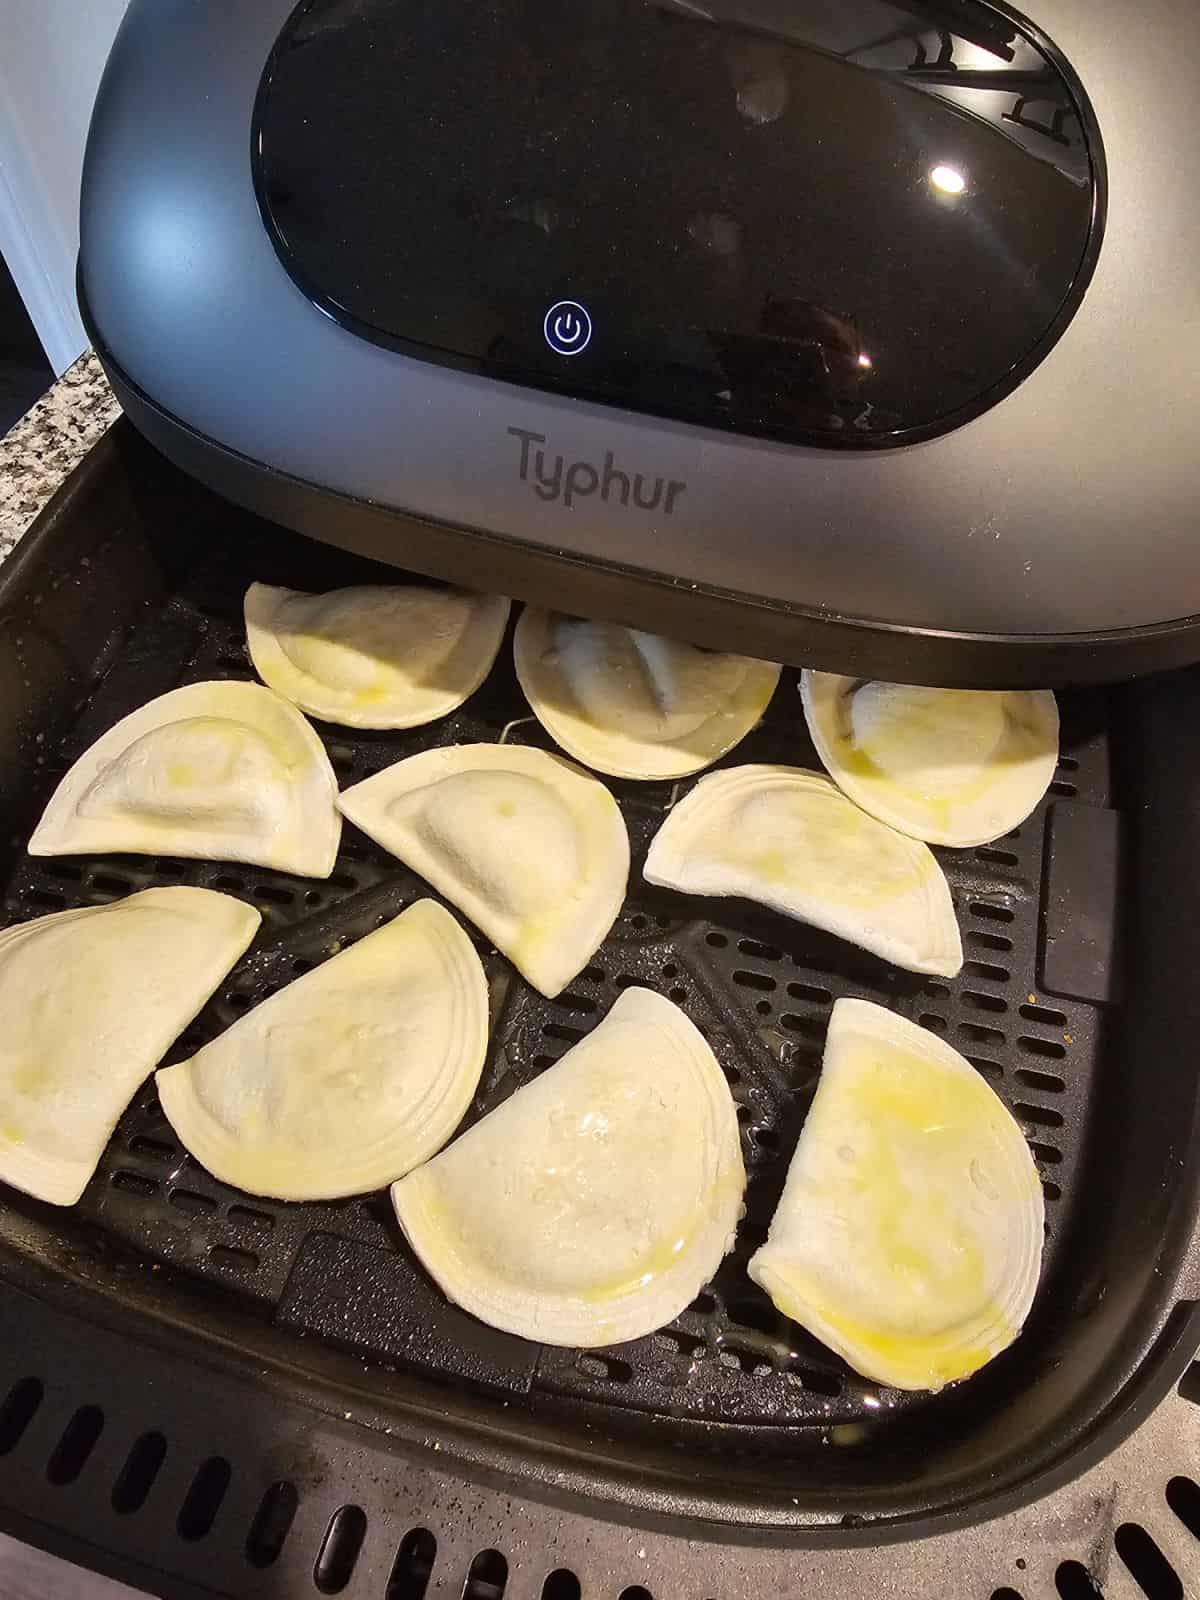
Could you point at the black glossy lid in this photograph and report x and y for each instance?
(851, 223)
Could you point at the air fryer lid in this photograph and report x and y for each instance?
(772, 222)
(585, 307)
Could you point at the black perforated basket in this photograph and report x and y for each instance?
(286, 1377)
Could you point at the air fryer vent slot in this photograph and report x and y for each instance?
(142, 1466)
(203, 1499)
(413, 1566)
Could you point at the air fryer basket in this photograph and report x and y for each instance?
(279, 1323)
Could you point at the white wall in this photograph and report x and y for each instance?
(52, 53)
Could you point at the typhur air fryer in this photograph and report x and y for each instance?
(858, 335)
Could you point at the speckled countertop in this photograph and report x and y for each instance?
(1037, 1553)
(43, 449)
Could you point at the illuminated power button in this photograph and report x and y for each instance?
(568, 328)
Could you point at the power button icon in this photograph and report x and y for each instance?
(568, 327)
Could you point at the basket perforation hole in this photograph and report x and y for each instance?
(195, 1205)
(229, 883)
(340, 1549)
(1068, 764)
(1049, 1048)
(1063, 789)
(988, 970)
(810, 1027)
(592, 974)
(611, 1368)
(764, 1008)
(627, 980)
(561, 1584)
(153, 1149)
(1047, 1082)
(754, 980)
(1002, 858)
(134, 1183)
(1040, 1116)
(1152, 1572)
(233, 1259)
(825, 1383)
(989, 941)
(203, 1499)
(811, 992)
(110, 883)
(636, 1592)
(677, 1343)
(1046, 1015)
(759, 951)
(1074, 1582)
(990, 912)
(413, 1566)
(78, 1440)
(931, 1020)
(562, 1030)
(576, 1002)
(717, 940)
(18, 1411)
(989, 1069)
(639, 921)
(677, 994)
(670, 970)
(978, 1000)
(978, 1033)
(704, 1305)
(136, 1478)
(1005, 1594)
(1044, 1152)
(1051, 1190)
(341, 757)
(248, 1217)
(1183, 1497)
(1189, 1384)
(488, 1577)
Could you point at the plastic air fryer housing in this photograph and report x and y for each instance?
(855, 336)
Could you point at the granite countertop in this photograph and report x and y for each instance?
(1020, 1555)
(49, 442)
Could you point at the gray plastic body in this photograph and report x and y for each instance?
(1067, 509)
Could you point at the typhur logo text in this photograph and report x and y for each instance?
(551, 477)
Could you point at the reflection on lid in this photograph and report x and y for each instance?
(960, 51)
(949, 180)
